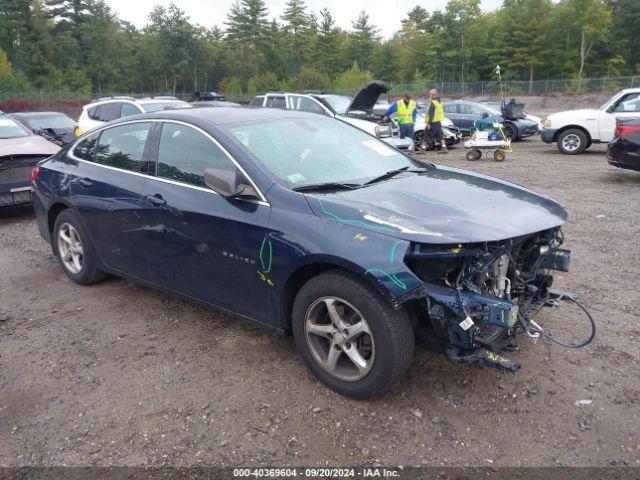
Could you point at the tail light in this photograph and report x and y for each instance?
(622, 130)
(34, 174)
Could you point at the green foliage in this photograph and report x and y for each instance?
(231, 86)
(352, 80)
(7, 78)
(310, 78)
(82, 46)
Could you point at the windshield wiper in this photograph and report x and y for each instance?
(327, 186)
(389, 174)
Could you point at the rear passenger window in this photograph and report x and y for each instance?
(110, 111)
(185, 153)
(94, 112)
(86, 147)
(304, 104)
(128, 109)
(450, 108)
(123, 146)
(256, 101)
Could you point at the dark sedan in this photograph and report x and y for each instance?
(624, 150)
(464, 114)
(307, 225)
(54, 126)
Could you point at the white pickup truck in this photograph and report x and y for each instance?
(576, 130)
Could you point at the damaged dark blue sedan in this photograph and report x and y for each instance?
(308, 226)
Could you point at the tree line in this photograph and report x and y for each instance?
(82, 46)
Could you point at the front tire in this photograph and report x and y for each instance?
(349, 337)
(572, 141)
(74, 250)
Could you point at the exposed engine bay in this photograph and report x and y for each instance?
(478, 297)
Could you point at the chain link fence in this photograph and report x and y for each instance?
(445, 89)
(520, 87)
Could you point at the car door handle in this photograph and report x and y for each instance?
(156, 200)
(85, 182)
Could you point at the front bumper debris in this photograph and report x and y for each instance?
(483, 357)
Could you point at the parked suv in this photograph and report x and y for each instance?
(575, 130)
(104, 110)
(356, 111)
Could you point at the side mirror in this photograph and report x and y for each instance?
(611, 108)
(485, 115)
(228, 184)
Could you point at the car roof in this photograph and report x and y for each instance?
(38, 114)
(141, 101)
(221, 115)
(158, 100)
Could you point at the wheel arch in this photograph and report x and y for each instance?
(570, 127)
(54, 210)
(303, 273)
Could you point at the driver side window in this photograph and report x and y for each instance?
(630, 103)
(471, 110)
(185, 153)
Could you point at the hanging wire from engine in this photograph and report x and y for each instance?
(530, 326)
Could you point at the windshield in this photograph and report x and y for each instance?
(157, 106)
(609, 101)
(339, 103)
(49, 121)
(311, 151)
(492, 110)
(495, 105)
(11, 129)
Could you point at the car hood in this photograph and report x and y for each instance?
(30, 145)
(442, 206)
(366, 125)
(366, 98)
(573, 115)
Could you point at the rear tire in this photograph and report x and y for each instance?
(499, 156)
(572, 141)
(74, 250)
(511, 132)
(471, 155)
(359, 365)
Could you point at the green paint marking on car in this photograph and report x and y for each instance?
(392, 255)
(392, 277)
(266, 267)
(354, 222)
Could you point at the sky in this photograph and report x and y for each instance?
(386, 14)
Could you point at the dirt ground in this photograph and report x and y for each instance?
(118, 374)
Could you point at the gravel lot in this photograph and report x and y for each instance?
(118, 374)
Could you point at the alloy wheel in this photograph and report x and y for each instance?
(70, 248)
(339, 338)
(571, 142)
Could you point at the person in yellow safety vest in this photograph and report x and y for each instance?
(406, 112)
(433, 130)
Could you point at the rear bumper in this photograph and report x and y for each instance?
(15, 194)
(548, 135)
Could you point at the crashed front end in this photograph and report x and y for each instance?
(477, 297)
